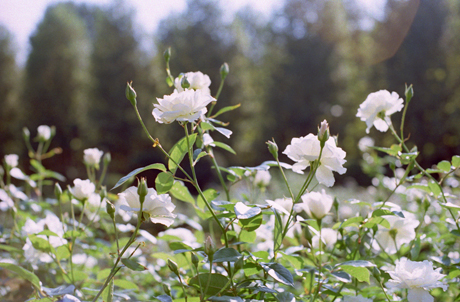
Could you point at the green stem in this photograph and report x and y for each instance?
(217, 97)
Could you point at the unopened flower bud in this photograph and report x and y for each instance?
(273, 148)
(167, 54)
(57, 191)
(107, 158)
(173, 267)
(184, 83)
(110, 208)
(25, 133)
(224, 70)
(409, 93)
(376, 274)
(323, 132)
(195, 260)
(131, 93)
(167, 289)
(209, 247)
(103, 192)
(142, 190)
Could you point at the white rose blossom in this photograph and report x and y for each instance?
(82, 188)
(401, 231)
(328, 237)
(158, 206)
(12, 160)
(378, 107)
(306, 149)
(197, 81)
(185, 106)
(316, 204)
(262, 178)
(416, 276)
(44, 132)
(92, 156)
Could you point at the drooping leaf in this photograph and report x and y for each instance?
(23, 273)
(242, 211)
(133, 265)
(133, 173)
(217, 283)
(225, 147)
(164, 182)
(342, 276)
(225, 109)
(181, 192)
(179, 150)
(279, 273)
(226, 255)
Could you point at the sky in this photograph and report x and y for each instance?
(22, 16)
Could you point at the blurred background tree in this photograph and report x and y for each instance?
(311, 60)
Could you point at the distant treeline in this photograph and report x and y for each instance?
(312, 60)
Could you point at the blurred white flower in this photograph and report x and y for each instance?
(33, 256)
(401, 231)
(158, 207)
(44, 132)
(11, 160)
(262, 178)
(365, 142)
(328, 237)
(306, 149)
(188, 105)
(316, 204)
(416, 276)
(358, 298)
(378, 107)
(88, 261)
(82, 188)
(183, 234)
(197, 80)
(92, 156)
(6, 201)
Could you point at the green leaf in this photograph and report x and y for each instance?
(47, 233)
(279, 273)
(393, 151)
(206, 126)
(357, 263)
(250, 269)
(217, 283)
(278, 238)
(352, 221)
(360, 273)
(23, 273)
(62, 252)
(41, 244)
(415, 251)
(181, 192)
(226, 299)
(456, 161)
(209, 194)
(382, 212)
(125, 284)
(164, 182)
(342, 276)
(179, 150)
(377, 220)
(133, 173)
(225, 109)
(10, 248)
(286, 297)
(444, 166)
(247, 236)
(107, 294)
(296, 261)
(166, 298)
(434, 188)
(252, 223)
(226, 255)
(133, 265)
(224, 146)
(102, 275)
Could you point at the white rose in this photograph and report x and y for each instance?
(44, 132)
(401, 231)
(188, 105)
(262, 178)
(12, 160)
(197, 80)
(418, 277)
(317, 205)
(82, 188)
(92, 156)
(306, 149)
(328, 237)
(158, 207)
(378, 107)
